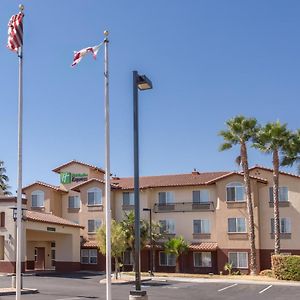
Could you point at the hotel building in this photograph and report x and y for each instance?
(208, 209)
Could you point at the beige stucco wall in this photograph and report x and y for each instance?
(91, 212)
(67, 239)
(77, 168)
(53, 202)
(9, 232)
(267, 212)
(237, 210)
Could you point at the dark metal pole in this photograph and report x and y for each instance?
(136, 182)
(151, 244)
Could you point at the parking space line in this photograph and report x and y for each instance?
(268, 287)
(227, 287)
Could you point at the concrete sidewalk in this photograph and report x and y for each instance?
(130, 278)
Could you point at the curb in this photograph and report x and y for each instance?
(23, 292)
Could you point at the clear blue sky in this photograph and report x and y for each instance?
(208, 60)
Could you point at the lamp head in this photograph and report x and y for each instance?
(144, 83)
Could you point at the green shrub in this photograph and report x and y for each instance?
(286, 267)
(238, 272)
(228, 267)
(266, 272)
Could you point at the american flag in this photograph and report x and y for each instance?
(15, 32)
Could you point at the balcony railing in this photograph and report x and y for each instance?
(183, 207)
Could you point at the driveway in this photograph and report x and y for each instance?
(85, 286)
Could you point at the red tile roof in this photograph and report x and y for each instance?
(89, 244)
(260, 179)
(47, 185)
(271, 170)
(190, 179)
(57, 169)
(49, 218)
(78, 186)
(203, 246)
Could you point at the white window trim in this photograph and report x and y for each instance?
(38, 193)
(93, 190)
(75, 196)
(209, 225)
(280, 227)
(89, 257)
(247, 260)
(201, 260)
(202, 190)
(280, 187)
(169, 220)
(167, 260)
(96, 228)
(237, 226)
(168, 202)
(235, 184)
(131, 197)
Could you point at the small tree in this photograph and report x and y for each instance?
(176, 246)
(118, 242)
(128, 228)
(4, 187)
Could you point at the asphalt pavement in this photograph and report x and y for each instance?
(86, 286)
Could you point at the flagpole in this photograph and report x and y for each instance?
(107, 170)
(19, 180)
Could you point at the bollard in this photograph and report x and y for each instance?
(13, 281)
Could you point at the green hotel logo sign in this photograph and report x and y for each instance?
(67, 177)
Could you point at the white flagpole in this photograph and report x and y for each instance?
(107, 171)
(19, 183)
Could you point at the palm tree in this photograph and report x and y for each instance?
(273, 139)
(292, 151)
(128, 228)
(4, 180)
(241, 130)
(176, 246)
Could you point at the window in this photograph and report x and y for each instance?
(89, 256)
(201, 196)
(38, 199)
(94, 196)
(238, 259)
(282, 196)
(202, 259)
(2, 219)
(285, 225)
(93, 225)
(237, 225)
(167, 226)
(165, 198)
(128, 198)
(235, 191)
(201, 226)
(166, 259)
(127, 258)
(74, 202)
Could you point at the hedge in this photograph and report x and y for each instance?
(286, 267)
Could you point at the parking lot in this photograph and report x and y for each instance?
(86, 286)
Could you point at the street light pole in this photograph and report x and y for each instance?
(136, 182)
(151, 241)
(140, 82)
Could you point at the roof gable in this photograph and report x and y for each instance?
(57, 169)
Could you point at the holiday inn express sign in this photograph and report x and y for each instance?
(67, 177)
